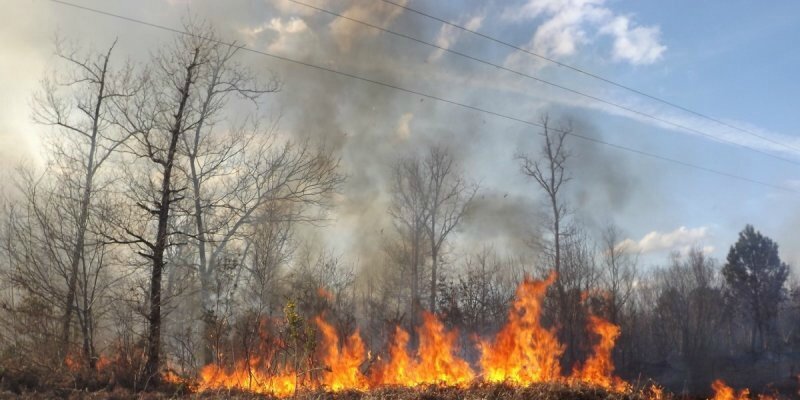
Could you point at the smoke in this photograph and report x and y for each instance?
(371, 127)
(605, 182)
(509, 223)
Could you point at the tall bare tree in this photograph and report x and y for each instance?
(237, 173)
(619, 273)
(549, 171)
(447, 196)
(157, 119)
(77, 104)
(409, 212)
(264, 182)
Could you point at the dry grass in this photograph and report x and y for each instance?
(474, 392)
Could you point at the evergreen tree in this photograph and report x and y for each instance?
(755, 276)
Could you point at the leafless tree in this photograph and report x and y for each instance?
(550, 173)
(429, 198)
(619, 272)
(238, 172)
(688, 312)
(409, 212)
(77, 104)
(477, 298)
(37, 239)
(446, 197)
(265, 178)
(57, 207)
(157, 119)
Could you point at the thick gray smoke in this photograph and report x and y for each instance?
(371, 127)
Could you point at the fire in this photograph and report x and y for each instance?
(656, 393)
(400, 368)
(72, 363)
(325, 294)
(75, 363)
(523, 352)
(342, 364)
(103, 362)
(251, 377)
(725, 392)
(437, 354)
(171, 377)
(436, 361)
(599, 367)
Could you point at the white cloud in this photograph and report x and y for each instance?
(637, 44)
(375, 12)
(449, 34)
(286, 6)
(568, 24)
(290, 34)
(681, 239)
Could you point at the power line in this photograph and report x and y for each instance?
(429, 96)
(546, 82)
(592, 75)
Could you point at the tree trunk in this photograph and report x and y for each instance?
(154, 332)
(206, 268)
(415, 303)
(207, 320)
(83, 218)
(434, 266)
(434, 259)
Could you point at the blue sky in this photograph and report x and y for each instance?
(733, 60)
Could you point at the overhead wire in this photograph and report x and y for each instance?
(426, 95)
(592, 75)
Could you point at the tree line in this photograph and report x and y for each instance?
(160, 234)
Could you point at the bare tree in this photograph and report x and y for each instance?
(477, 298)
(409, 212)
(688, 312)
(157, 119)
(265, 183)
(272, 245)
(619, 271)
(76, 104)
(447, 196)
(38, 236)
(235, 173)
(214, 156)
(551, 175)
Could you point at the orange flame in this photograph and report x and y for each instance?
(401, 368)
(248, 377)
(725, 392)
(72, 363)
(436, 363)
(599, 367)
(342, 364)
(325, 294)
(656, 393)
(103, 362)
(523, 352)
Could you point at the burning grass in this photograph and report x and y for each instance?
(540, 391)
(521, 362)
(523, 353)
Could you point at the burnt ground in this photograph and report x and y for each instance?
(535, 392)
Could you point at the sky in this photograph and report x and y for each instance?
(732, 60)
